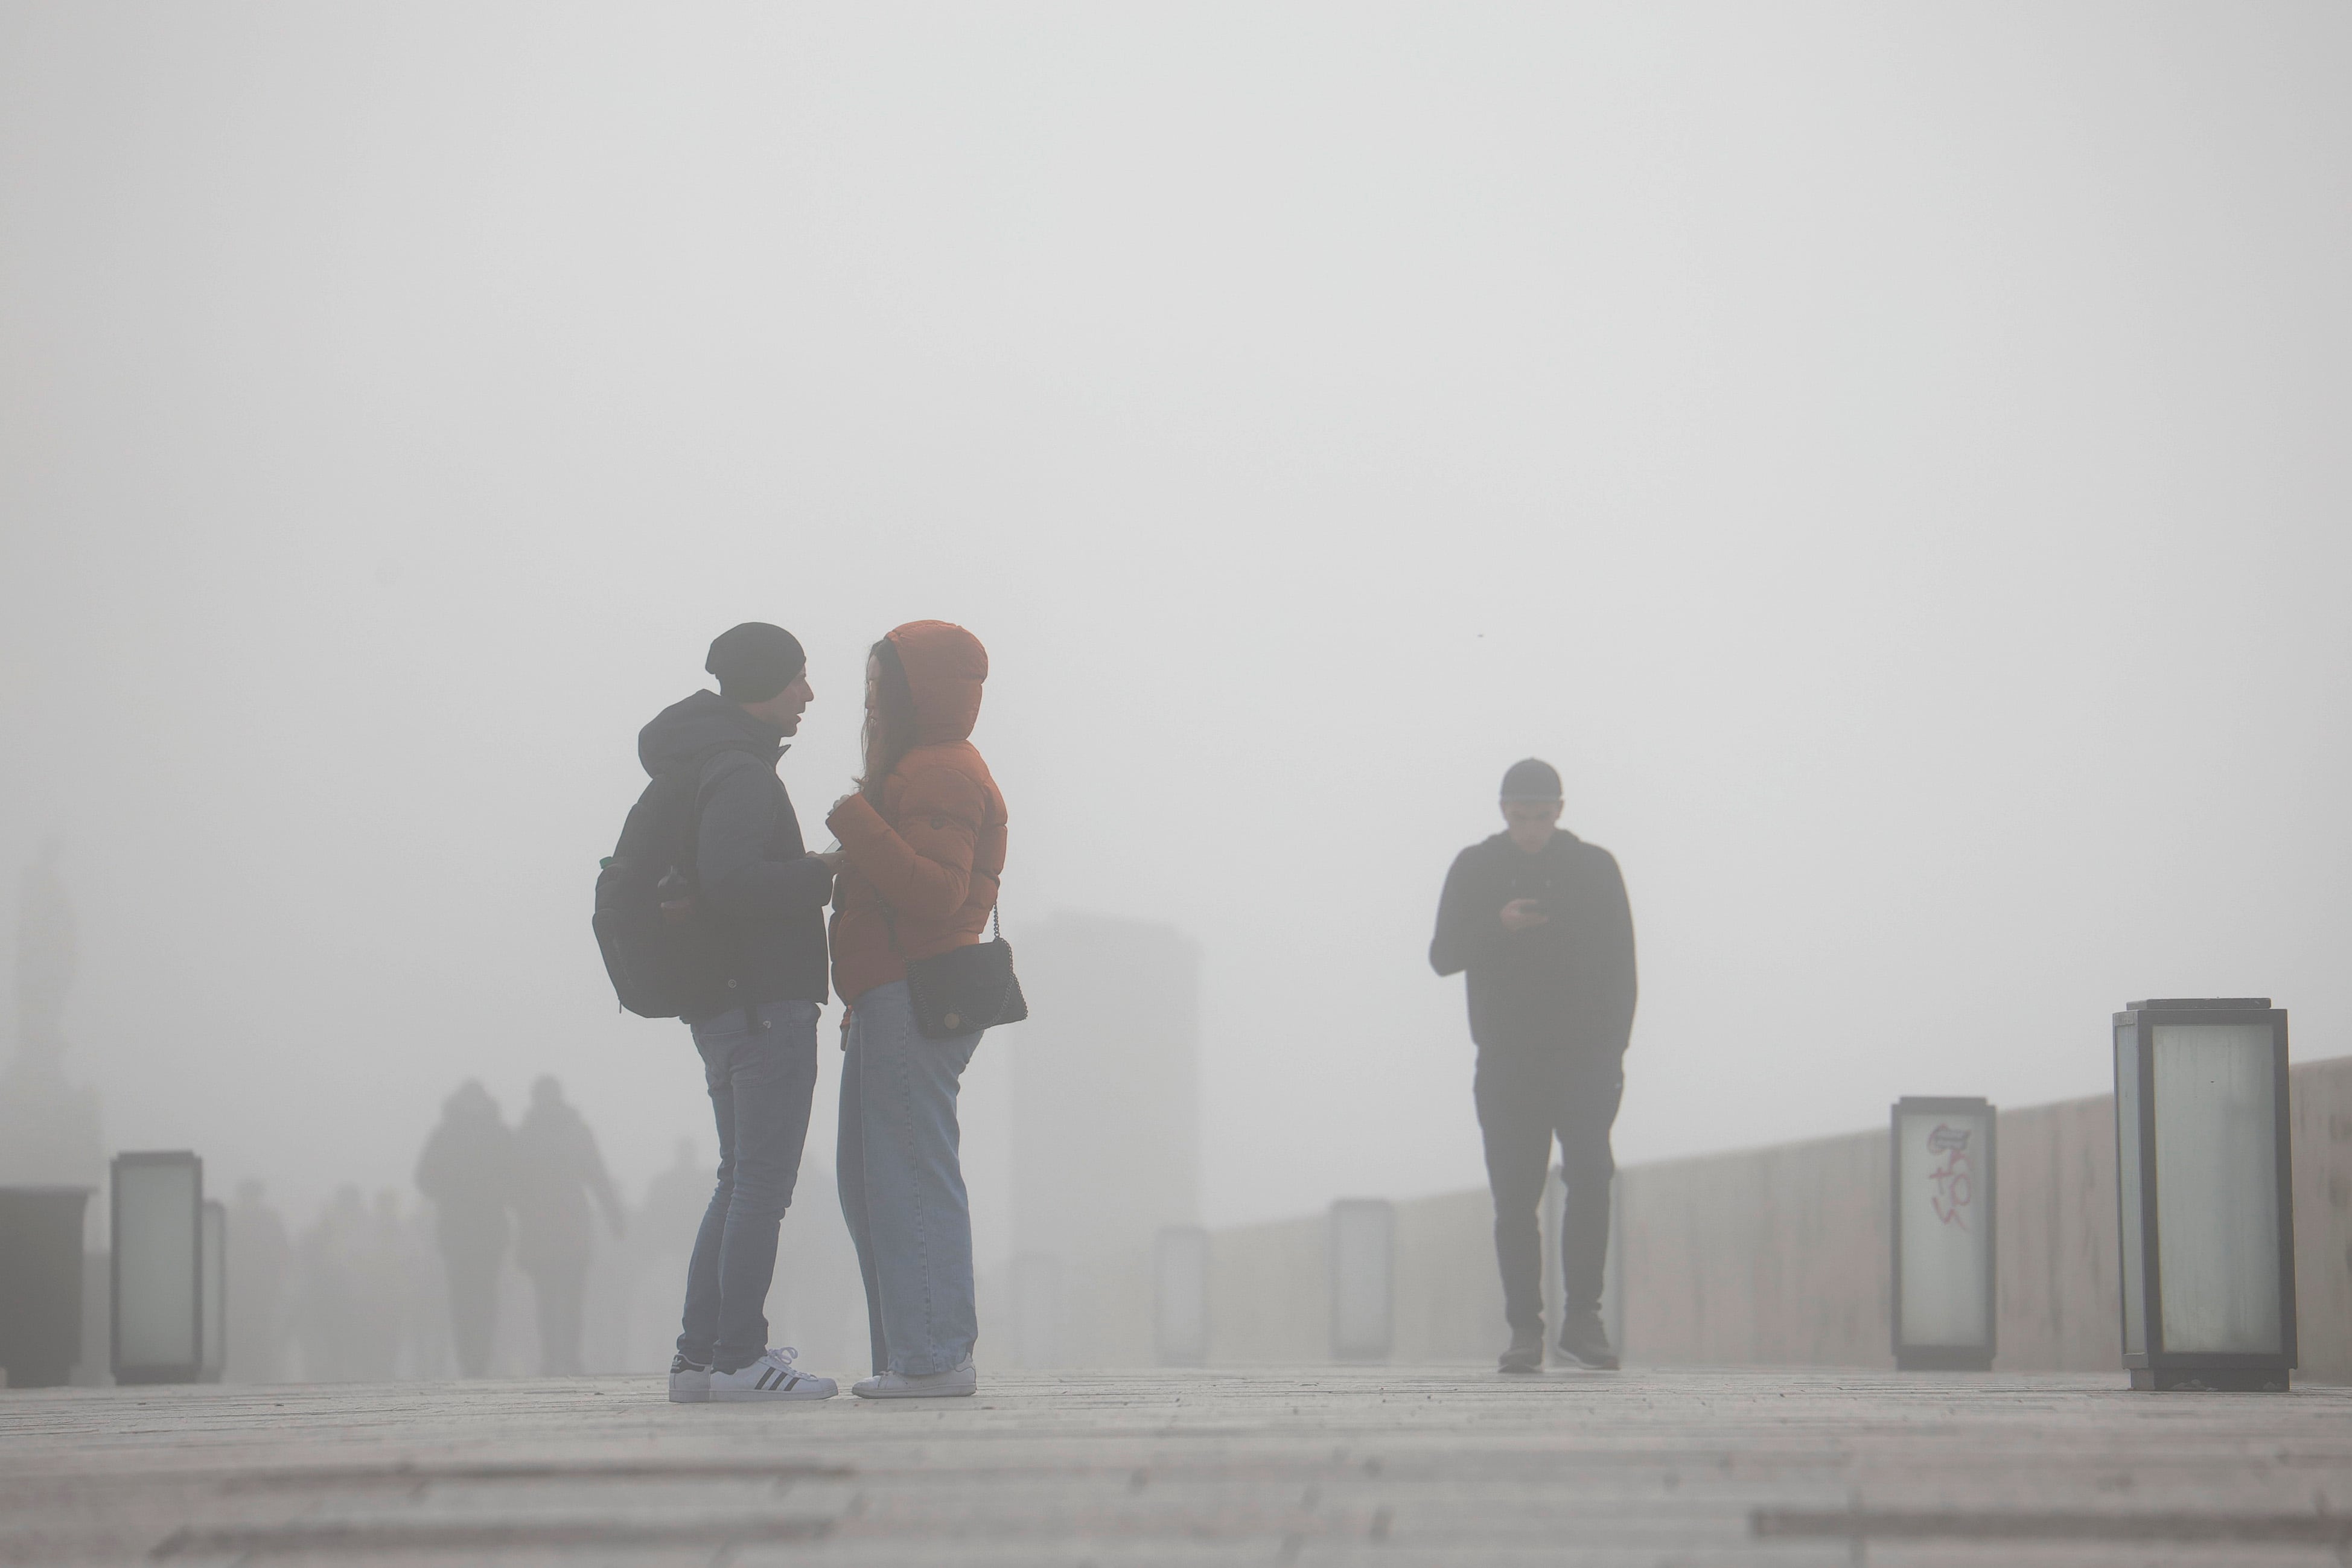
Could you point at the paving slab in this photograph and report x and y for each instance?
(1393, 1466)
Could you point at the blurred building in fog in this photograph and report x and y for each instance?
(48, 1128)
(1107, 1135)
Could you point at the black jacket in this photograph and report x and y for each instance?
(766, 894)
(1568, 984)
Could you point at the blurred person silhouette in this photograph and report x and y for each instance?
(346, 1332)
(468, 1172)
(262, 1255)
(388, 1278)
(557, 1170)
(677, 1197)
(424, 1337)
(322, 1305)
(676, 1201)
(1539, 921)
(661, 1239)
(367, 1238)
(759, 897)
(924, 836)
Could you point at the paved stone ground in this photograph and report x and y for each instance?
(1390, 1466)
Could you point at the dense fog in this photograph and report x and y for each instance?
(1893, 462)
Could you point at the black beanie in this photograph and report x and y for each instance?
(1533, 779)
(755, 661)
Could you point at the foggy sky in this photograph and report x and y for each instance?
(1892, 460)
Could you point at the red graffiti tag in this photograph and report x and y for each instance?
(1956, 1182)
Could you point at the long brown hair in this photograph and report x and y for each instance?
(889, 720)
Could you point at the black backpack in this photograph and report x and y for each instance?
(665, 954)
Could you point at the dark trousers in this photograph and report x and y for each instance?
(1527, 1099)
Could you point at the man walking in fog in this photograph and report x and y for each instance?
(1538, 920)
(557, 1169)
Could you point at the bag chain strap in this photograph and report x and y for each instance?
(996, 931)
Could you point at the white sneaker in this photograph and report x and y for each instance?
(956, 1380)
(688, 1383)
(772, 1376)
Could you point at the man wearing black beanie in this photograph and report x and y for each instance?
(760, 898)
(1540, 921)
(754, 662)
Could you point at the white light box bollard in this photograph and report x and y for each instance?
(1945, 1304)
(2203, 1170)
(1180, 1271)
(158, 1268)
(1363, 1248)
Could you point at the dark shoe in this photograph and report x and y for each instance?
(1583, 1341)
(1525, 1353)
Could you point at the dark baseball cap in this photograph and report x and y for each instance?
(1531, 779)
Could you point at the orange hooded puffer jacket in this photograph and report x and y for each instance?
(935, 849)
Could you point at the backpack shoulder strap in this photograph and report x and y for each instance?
(685, 848)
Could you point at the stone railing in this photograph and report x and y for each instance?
(1780, 1255)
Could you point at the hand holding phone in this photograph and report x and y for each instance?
(1521, 914)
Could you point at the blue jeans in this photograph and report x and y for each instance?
(902, 1185)
(760, 1065)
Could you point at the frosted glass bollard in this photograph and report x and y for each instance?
(1363, 1246)
(1944, 1292)
(158, 1263)
(2205, 1209)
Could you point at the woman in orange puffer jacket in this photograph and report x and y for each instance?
(922, 844)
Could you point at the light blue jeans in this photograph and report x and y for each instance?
(901, 1180)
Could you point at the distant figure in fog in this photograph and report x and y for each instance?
(662, 1229)
(392, 1276)
(677, 1199)
(348, 1331)
(924, 834)
(257, 1288)
(671, 1216)
(323, 1298)
(1540, 921)
(557, 1170)
(468, 1170)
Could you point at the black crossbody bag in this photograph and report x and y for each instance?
(965, 989)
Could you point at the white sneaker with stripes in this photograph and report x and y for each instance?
(688, 1383)
(772, 1376)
